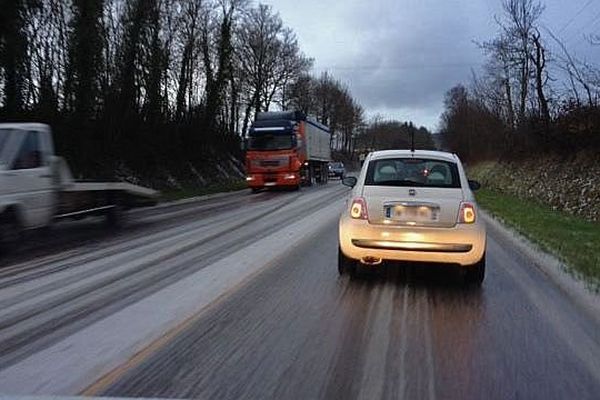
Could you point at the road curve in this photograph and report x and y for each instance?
(292, 328)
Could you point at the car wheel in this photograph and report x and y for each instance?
(254, 190)
(475, 273)
(345, 265)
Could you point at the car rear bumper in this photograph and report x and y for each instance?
(412, 246)
(462, 244)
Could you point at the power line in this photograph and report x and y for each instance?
(586, 5)
(399, 67)
(586, 26)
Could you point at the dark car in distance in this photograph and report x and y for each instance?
(337, 170)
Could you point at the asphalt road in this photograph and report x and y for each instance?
(291, 328)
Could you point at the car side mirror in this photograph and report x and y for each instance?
(349, 181)
(474, 185)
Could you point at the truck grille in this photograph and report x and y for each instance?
(271, 162)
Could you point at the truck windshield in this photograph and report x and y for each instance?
(270, 142)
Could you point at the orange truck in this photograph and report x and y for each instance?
(286, 149)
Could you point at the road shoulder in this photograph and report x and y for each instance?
(574, 288)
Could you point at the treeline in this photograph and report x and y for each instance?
(332, 104)
(528, 97)
(150, 85)
(381, 134)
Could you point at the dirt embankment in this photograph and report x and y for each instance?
(220, 168)
(566, 184)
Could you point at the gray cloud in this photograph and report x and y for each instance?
(399, 57)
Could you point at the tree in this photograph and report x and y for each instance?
(14, 54)
(219, 71)
(538, 58)
(269, 58)
(382, 134)
(189, 37)
(85, 57)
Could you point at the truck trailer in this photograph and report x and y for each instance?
(286, 149)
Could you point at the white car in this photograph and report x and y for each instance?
(415, 206)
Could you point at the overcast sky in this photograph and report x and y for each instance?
(399, 57)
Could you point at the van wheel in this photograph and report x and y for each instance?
(345, 265)
(115, 217)
(475, 274)
(10, 233)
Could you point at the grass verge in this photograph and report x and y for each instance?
(195, 191)
(572, 239)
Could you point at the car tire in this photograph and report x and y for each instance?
(346, 265)
(254, 190)
(475, 274)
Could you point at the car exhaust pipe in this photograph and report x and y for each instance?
(370, 260)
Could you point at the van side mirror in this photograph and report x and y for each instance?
(474, 185)
(349, 181)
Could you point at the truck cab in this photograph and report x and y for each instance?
(26, 180)
(286, 149)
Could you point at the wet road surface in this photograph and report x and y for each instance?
(293, 328)
(300, 331)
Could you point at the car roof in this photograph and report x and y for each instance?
(439, 155)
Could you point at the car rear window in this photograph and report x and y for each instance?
(412, 172)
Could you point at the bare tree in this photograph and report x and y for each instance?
(14, 54)
(188, 39)
(538, 58)
(519, 25)
(85, 57)
(576, 72)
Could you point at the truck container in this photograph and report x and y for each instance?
(286, 149)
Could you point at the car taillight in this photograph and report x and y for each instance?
(466, 215)
(358, 210)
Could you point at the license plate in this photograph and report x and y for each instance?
(270, 183)
(405, 213)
